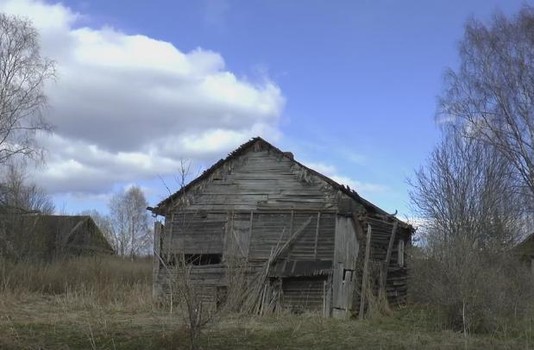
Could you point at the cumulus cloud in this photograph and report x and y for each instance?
(128, 107)
(332, 172)
(359, 186)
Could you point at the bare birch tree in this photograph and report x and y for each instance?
(130, 222)
(491, 94)
(473, 218)
(467, 191)
(23, 72)
(20, 195)
(476, 191)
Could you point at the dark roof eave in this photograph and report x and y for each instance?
(161, 207)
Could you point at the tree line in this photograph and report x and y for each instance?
(23, 73)
(475, 193)
(127, 225)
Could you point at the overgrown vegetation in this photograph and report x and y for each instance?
(474, 291)
(276, 332)
(100, 280)
(95, 303)
(467, 288)
(475, 192)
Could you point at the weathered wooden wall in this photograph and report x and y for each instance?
(262, 205)
(251, 206)
(195, 233)
(255, 235)
(345, 258)
(302, 294)
(262, 180)
(396, 284)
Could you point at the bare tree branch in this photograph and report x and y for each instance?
(130, 222)
(23, 73)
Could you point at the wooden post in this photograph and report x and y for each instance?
(251, 223)
(316, 235)
(157, 256)
(365, 275)
(384, 279)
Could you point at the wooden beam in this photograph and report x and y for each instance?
(250, 224)
(385, 267)
(365, 275)
(383, 282)
(158, 227)
(291, 240)
(357, 226)
(291, 221)
(316, 235)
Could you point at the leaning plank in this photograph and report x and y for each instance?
(291, 240)
(388, 257)
(365, 272)
(316, 235)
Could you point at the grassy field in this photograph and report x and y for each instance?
(107, 304)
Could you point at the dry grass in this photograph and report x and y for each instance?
(45, 324)
(107, 304)
(104, 279)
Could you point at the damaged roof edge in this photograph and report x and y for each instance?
(158, 210)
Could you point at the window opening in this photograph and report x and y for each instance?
(202, 259)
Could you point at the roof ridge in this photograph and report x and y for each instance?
(245, 146)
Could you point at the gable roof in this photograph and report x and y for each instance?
(525, 248)
(258, 141)
(66, 226)
(48, 235)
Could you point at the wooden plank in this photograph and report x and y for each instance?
(270, 231)
(345, 256)
(261, 180)
(292, 220)
(385, 267)
(317, 234)
(327, 311)
(156, 258)
(301, 294)
(237, 240)
(290, 241)
(365, 274)
(251, 224)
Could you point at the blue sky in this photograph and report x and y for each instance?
(349, 87)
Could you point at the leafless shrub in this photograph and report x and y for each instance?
(199, 303)
(474, 289)
(474, 209)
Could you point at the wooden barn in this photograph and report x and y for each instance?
(317, 245)
(48, 237)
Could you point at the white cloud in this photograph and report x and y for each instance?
(333, 173)
(359, 186)
(128, 107)
(325, 169)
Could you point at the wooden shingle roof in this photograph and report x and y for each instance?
(258, 142)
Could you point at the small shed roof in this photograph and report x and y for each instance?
(49, 236)
(525, 248)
